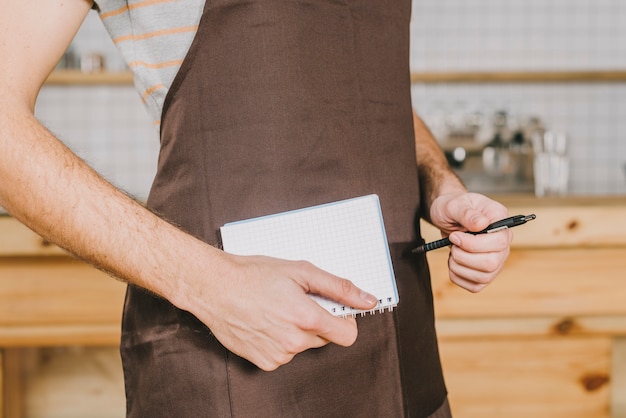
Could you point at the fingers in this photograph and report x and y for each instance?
(475, 278)
(337, 289)
(469, 217)
(341, 331)
(468, 211)
(318, 322)
(314, 328)
(476, 260)
(325, 328)
(306, 324)
(283, 350)
(482, 243)
(480, 213)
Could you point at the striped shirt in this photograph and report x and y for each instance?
(153, 36)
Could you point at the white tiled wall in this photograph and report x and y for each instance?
(539, 35)
(518, 34)
(105, 125)
(108, 127)
(593, 116)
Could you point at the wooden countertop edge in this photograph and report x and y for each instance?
(108, 334)
(16, 240)
(569, 222)
(66, 77)
(614, 325)
(565, 201)
(561, 222)
(527, 76)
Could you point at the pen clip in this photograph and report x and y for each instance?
(500, 228)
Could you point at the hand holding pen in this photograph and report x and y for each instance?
(494, 227)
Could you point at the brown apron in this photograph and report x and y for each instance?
(280, 105)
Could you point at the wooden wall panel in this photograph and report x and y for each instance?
(619, 378)
(57, 291)
(76, 382)
(48, 300)
(13, 375)
(537, 282)
(1, 383)
(539, 378)
(564, 223)
(546, 339)
(18, 240)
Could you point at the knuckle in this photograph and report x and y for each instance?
(351, 335)
(304, 265)
(345, 286)
(484, 279)
(291, 347)
(267, 365)
(348, 336)
(476, 288)
(490, 264)
(282, 359)
(308, 322)
(504, 240)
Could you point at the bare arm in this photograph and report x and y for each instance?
(474, 261)
(57, 195)
(436, 178)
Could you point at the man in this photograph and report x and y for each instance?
(277, 105)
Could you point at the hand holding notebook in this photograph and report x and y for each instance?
(346, 238)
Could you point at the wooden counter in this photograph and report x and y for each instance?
(546, 339)
(50, 299)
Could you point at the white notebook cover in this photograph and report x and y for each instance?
(346, 238)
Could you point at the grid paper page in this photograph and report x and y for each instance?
(346, 238)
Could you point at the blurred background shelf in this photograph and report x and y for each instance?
(77, 77)
(519, 76)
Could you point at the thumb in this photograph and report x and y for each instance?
(474, 220)
(465, 211)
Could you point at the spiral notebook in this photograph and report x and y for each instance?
(346, 238)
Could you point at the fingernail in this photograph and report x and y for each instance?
(454, 238)
(370, 299)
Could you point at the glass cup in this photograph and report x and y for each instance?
(551, 164)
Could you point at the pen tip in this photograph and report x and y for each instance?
(530, 217)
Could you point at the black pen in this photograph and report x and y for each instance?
(494, 227)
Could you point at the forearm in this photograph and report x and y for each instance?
(242, 300)
(435, 175)
(47, 187)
